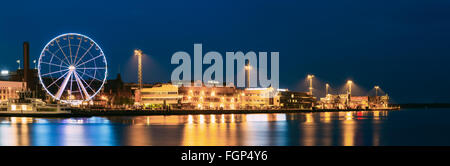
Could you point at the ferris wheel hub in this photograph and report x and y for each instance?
(71, 68)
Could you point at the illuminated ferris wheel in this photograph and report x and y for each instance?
(72, 68)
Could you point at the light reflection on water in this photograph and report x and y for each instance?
(325, 128)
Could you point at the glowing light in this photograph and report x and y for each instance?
(213, 119)
(309, 118)
(348, 116)
(13, 107)
(202, 119)
(190, 119)
(138, 52)
(71, 68)
(327, 117)
(4, 72)
(310, 77)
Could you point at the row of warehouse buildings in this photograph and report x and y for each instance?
(214, 97)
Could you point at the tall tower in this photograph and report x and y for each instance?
(26, 63)
(138, 53)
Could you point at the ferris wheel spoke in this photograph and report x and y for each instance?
(78, 61)
(71, 83)
(53, 64)
(92, 77)
(92, 68)
(79, 90)
(62, 51)
(70, 50)
(54, 72)
(63, 85)
(78, 49)
(89, 60)
(57, 80)
(87, 85)
(86, 94)
(58, 58)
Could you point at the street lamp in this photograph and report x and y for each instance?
(349, 83)
(327, 86)
(310, 77)
(138, 53)
(376, 90)
(18, 61)
(247, 72)
(376, 93)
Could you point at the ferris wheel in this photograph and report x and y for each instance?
(72, 68)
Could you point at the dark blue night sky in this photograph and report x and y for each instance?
(403, 46)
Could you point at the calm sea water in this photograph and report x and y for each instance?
(404, 127)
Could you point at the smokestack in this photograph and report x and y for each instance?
(26, 63)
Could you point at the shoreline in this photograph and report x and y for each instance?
(91, 113)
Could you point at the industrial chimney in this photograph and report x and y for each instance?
(26, 63)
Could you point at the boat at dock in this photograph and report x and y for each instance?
(24, 106)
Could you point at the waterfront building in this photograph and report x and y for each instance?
(359, 102)
(210, 96)
(340, 101)
(159, 96)
(296, 100)
(259, 98)
(379, 101)
(10, 89)
(116, 92)
(345, 101)
(331, 102)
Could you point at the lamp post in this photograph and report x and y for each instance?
(327, 86)
(138, 53)
(310, 78)
(18, 61)
(349, 83)
(376, 93)
(376, 90)
(247, 77)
